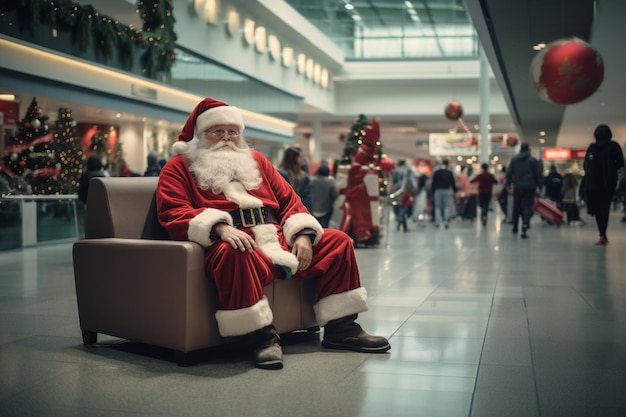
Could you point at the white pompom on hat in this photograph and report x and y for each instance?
(209, 112)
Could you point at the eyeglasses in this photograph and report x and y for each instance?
(221, 132)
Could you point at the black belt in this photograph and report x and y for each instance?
(253, 216)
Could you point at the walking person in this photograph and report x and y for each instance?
(602, 160)
(503, 195)
(524, 175)
(444, 187)
(553, 187)
(403, 177)
(323, 195)
(570, 198)
(485, 181)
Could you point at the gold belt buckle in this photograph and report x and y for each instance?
(253, 221)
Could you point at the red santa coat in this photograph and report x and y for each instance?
(189, 213)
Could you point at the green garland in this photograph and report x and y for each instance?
(91, 29)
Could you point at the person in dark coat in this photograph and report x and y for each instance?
(602, 160)
(154, 168)
(553, 186)
(524, 174)
(94, 169)
(485, 180)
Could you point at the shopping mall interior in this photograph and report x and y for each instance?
(481, 322)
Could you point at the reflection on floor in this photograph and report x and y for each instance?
(482, 323)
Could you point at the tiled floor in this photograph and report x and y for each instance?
(482, 324)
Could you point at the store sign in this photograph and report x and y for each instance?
(557, 154)
(143, 91)
(579, 153)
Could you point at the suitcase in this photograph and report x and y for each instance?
(548, 212)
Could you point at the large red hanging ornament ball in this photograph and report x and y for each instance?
(566, 71)
(454, 110)
(511, 141)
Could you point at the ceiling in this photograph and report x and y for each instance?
(507, 31)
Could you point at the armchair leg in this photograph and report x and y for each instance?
(183, 359)
(89, 338)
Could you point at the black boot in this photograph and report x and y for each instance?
(344, 333)
(269, 354)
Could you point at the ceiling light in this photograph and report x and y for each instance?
(539, 46)
(349, 6)
(356, 17)
(542, 133)
(408, 4)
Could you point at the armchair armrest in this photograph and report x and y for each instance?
(150, 291)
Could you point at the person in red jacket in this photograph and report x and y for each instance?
(485, 181)
(231, 200)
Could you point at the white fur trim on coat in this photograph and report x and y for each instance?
(299, 221)
(201, 225)
(244, 320)
(340, 305)
(266, 238)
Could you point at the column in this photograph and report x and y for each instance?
(484, 107)
(315, 142)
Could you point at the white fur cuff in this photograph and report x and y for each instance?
(340, 305)
(201, 225)
(299, 221)
(244, 320)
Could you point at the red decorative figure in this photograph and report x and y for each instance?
(361, 192)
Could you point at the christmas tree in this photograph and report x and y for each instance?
(31, 153)
(69, 150)
(354, 139)
(100, 146)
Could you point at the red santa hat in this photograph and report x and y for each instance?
(209, 112)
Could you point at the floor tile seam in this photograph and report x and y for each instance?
(532, 356)
(482, 352)
(417, 307)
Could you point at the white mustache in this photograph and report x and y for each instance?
(223, 144)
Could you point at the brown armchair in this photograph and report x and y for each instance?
(134, 283)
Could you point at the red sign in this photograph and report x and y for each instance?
(557, 154)
(579, 153)
(11, 111)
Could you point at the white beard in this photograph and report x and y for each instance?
(218, 166)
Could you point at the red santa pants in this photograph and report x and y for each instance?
(241, 276)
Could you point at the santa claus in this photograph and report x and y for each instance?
(230, 199)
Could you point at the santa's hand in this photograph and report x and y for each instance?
(303, 249)
(238, 239)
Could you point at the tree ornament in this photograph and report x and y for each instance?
(36, 123)
(566, 71)
(387, 165)
(454, 110)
